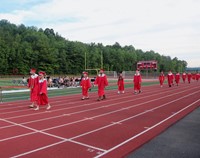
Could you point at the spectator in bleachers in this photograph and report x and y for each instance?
(49, 81)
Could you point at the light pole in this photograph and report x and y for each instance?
(85, 60)
(101, 59)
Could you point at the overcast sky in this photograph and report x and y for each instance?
(169, 27)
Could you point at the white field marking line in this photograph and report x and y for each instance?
(17, 136)
(56, 117)
(58, 143)
(86, 145)
(91, 110)
(32, 129)
(145, 131)
(98, 129)
(55, 136)
(73, 122)
(113, 123)
(15, 124)
(11, 125)
(100, 108)
(32, 151)
(38, 113)
(68, 103)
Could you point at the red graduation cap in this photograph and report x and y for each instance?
(33, 70)
(102, 69)
(42, 73)
(85, 73)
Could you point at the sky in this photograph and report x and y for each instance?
(168, 27)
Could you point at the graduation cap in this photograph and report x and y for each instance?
(85, 73)
(33, 70)
(42, 73)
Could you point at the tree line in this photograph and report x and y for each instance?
(22, 48)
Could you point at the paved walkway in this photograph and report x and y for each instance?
(182, 140)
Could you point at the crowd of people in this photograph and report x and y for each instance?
(63, 81)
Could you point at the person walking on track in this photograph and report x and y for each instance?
(161, 78)
(86, 85)
(33, 83)
(42, 92)
(102, 82)
(137, 80)
(120, 84)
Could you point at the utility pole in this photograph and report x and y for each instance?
(85, 61)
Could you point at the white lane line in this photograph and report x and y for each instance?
(145, 131)
(38, 149)
(95, 130)
(51, 135)
(73, 106)
(104, 114)
(129, 118)
(86, 145)
(115, 111)
(83, 106)
(18, 136)
(42, 131)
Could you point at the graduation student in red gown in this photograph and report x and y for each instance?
(161, 78)
(184, 76)
(42, 93)
(170, 78)
(189, 77)
(177, 78)
(137, 80)
(197, 76)
(102, 82)
(86, 85)
(193, 76)
(33, 83)
(120, 84)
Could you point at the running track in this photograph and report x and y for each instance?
(111, 128)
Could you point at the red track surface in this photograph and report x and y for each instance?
(110, 128)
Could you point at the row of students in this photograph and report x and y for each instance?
(171, 78)
(101, 81)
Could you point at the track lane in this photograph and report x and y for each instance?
(100, 113)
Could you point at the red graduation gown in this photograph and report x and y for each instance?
(170, 78)
(42, 96)
(184, 76)
(177, 78)
(137, 79)
(120, 84)
(85, 83)
(33, 84)
(189, 76)
(161, 79)
(197, 76)
(102, 82)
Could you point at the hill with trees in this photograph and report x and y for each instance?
(22, 48)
